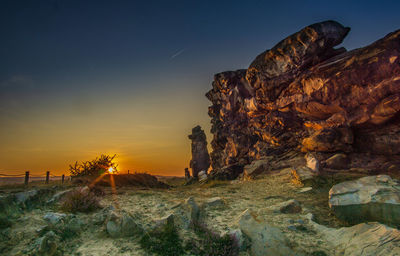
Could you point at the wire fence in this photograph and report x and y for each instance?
(26, 177)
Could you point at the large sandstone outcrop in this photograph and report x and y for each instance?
(305, 95)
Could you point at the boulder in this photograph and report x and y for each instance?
(337, 161)
(290, 206)
(302, 175)
(27, 197)
(58, 196)
(202, 176)
(371, 198)
(186, 213)
(54, 218)
(369, 239)
(312, 162)
(214, 202)
(230, 172)
(48, 244)
(122, 224)
(254, 168)
(265, 239)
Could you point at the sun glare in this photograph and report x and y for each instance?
(111, 170)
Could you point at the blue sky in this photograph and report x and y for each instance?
(79, 78)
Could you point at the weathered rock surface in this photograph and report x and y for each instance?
(265, 239)
(362, 239)
(372, 198)
(337, 161)
(290, 206)
(122, 224)
(254, 168)
(200, 157)
(305, 95)
(186, 213)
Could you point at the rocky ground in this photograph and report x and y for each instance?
(271, 215)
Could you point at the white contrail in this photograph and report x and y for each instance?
(178, 53)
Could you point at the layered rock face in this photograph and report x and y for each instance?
(305, 95)
(200, 157)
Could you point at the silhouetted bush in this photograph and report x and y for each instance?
(94, 167)
(80, 200)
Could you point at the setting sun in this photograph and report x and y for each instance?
(111, 170)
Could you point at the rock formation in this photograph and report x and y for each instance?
(200, 157)
(305, 95)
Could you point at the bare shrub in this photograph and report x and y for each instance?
(80, 200)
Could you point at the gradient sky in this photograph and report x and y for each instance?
(81, 78)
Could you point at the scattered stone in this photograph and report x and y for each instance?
(122, 224)
(312, 162)
(24, 197)
(305, 189)
(200, 157)
(169, 219)
(302, 176)
(58, 196)
(371, 198)
(214, 202)
(291, 206)
(265, 239)
(254, 168)
(186, 213)
(54, 218)
(48, 244)
(202, 176)
(337, 161)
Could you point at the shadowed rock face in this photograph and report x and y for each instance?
(200, 157)
(305, 95)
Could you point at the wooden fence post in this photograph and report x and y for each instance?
(47, 177)
(26, 178)
(62, 178)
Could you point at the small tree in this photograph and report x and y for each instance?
(94, 167)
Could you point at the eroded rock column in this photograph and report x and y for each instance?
(200, 157)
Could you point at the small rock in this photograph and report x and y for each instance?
(202, 176)
(169, 219)
(58, 196)
(54, 218)
(23, 197)
(187, 213)
(48, 244)
(302, 175)
(305, 189)
(291, 206)
(265, 239)
(122, 224)
(337, 161)
(312, 162)
(254, 168)
(214, 202)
